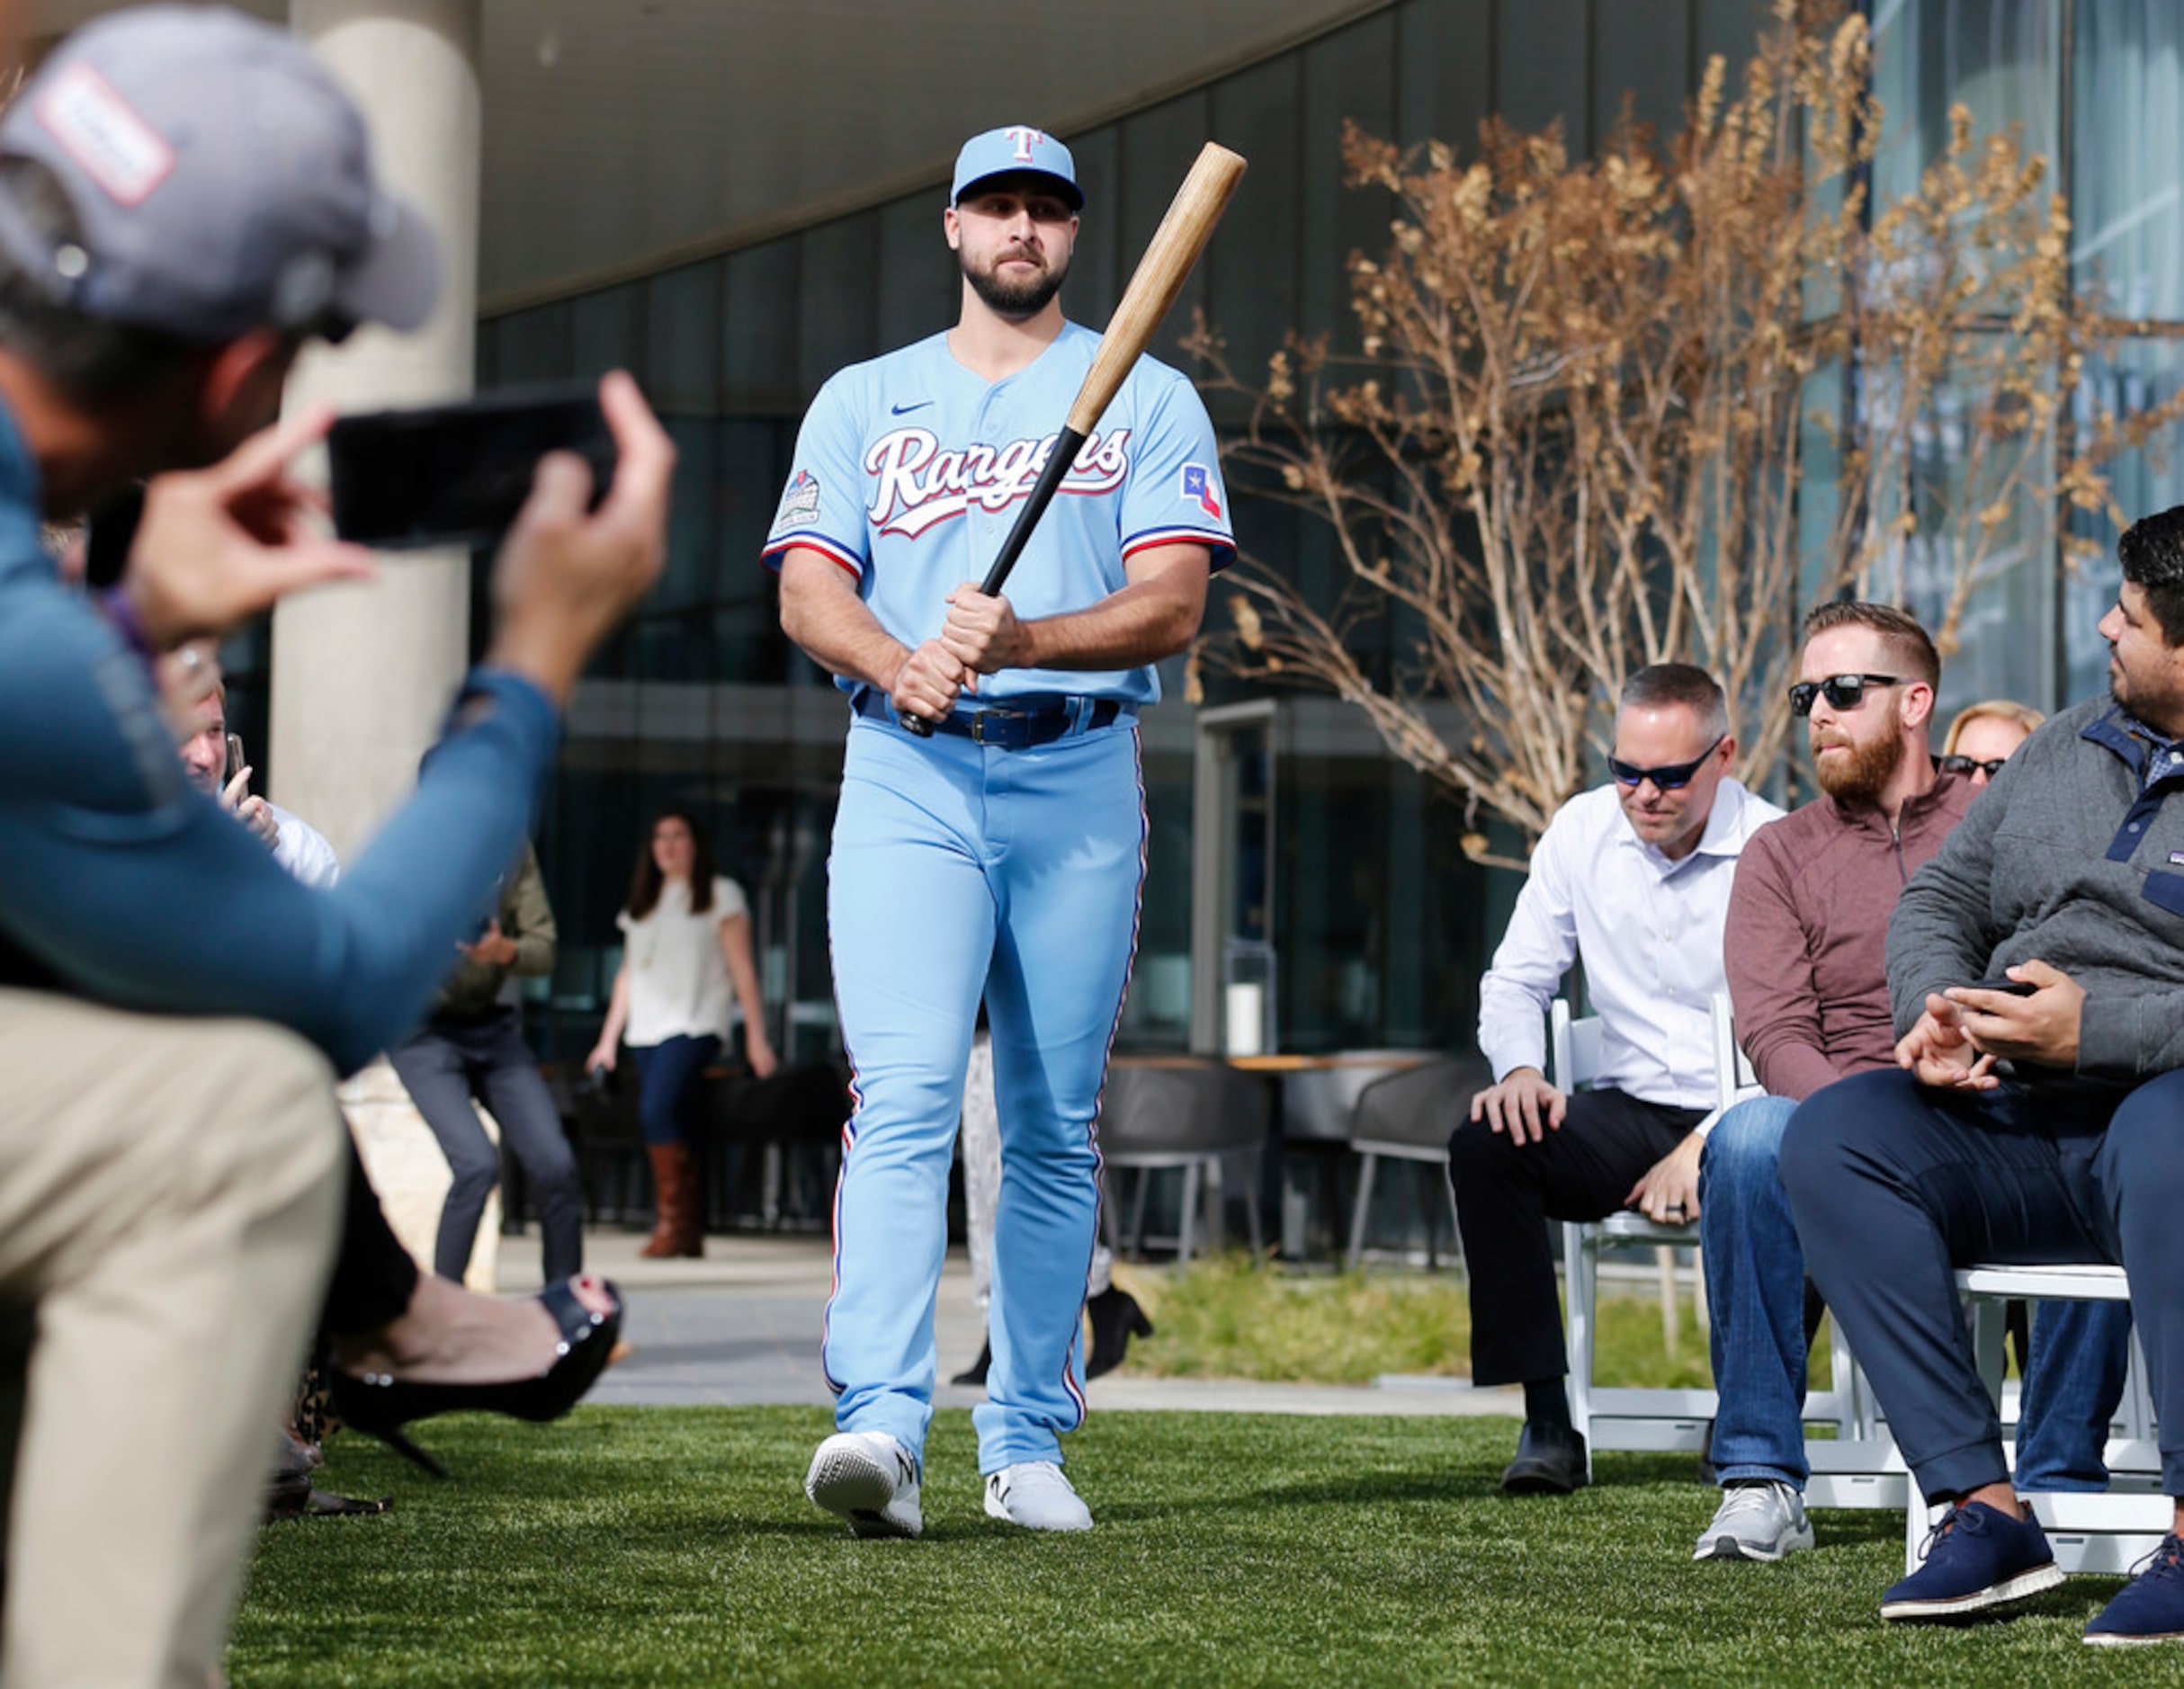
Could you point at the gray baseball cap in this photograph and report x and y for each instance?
(220, 180)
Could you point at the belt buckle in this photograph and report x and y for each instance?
(1005, 722)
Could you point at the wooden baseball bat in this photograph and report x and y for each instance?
(1160, 276)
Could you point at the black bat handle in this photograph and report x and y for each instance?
(1068, 443)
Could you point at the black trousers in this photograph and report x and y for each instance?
(445, 1064)
(1507, 1192)
(373, 1275)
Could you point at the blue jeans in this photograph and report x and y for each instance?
(2080, 1352)
(667, 1081)
(1755, 1295)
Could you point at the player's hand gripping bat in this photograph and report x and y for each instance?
(1175, 245)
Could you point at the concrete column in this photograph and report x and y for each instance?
(361, 675)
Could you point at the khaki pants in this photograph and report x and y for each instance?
(170, 1197)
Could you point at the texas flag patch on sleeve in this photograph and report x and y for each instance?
(1198, 489)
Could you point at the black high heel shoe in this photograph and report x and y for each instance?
(1116, 1318)
(975, 1374)
(380, 1405)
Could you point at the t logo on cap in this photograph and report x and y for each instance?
(1019, 149)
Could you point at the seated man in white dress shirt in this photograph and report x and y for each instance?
(1632, 878)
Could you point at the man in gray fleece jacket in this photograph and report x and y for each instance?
(2047, 1126)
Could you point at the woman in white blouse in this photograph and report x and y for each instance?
(686, 941)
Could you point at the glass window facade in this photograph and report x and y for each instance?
(2096, 89)
(1379, 927)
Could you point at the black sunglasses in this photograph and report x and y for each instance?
(1965, 765)
(1842, 692)
(1674, 777)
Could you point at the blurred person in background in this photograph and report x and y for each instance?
(296, 845)
(1113, 1312)
(1982, 735)
(472, 1046)
(686, 945)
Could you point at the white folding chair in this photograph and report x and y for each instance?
(1678, 1419)
(2101, 1532)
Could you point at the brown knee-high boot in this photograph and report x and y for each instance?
(690, 1209)
(673, 1189)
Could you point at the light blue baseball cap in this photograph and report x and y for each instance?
(1018, 151)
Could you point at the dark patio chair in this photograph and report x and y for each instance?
(1193, 1113)
(792, 1117)
(1409, 1116)
(600, 1117)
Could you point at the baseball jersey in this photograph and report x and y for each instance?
(910, 468)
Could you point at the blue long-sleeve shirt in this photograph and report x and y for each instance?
(121, 882)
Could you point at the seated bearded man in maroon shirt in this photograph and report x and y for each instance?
(1804, 947)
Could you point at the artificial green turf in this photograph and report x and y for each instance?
(674, 1546)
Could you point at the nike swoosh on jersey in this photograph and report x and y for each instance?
(904, 410)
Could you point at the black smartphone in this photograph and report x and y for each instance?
(457, 474)
(237, 761)
(2015, 987)
(108, 536)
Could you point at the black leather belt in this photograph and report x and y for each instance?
(1017, 725)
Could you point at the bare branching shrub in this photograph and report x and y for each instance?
(1648, 407)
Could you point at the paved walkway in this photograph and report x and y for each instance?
(740, 1328)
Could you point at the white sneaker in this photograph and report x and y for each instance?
(871, 1481)
(1756, 1522)
(1034, 1495)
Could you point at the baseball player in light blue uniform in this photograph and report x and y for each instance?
(1001, 857)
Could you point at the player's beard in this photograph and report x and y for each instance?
(1865, 774)
(1018, 300)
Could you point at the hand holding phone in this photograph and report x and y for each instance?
(2014, 987)
(253, 813)
(458, 474)
(214, 546)
(564, 577)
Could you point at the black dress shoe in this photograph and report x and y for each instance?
(1550, 1462)
(976, 1372)
(1116, 1318)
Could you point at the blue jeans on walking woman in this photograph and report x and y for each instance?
(1755, 1296)
(667, 1076)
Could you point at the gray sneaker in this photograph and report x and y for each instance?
(1756, 1522)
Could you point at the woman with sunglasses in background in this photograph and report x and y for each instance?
(1984, 735)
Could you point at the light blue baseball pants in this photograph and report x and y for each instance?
(960, 870)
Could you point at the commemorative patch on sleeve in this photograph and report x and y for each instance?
(1198, 489)
(799, 505)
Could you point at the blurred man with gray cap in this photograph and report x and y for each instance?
(186, 198)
